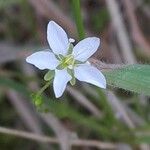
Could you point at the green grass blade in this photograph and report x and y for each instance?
(9, 83)
(78, 18)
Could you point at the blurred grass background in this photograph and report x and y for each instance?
(115, 116)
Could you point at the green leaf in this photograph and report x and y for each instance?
(49, 75)
(135, 78)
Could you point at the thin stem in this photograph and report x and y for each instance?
(78, 18)
(44, 88)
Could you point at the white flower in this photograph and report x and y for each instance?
(68, 62)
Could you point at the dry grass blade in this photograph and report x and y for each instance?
(121, 32)
(119, 110)
(47, 139)
(49, 10)
(137, 35)
(84, 102)
(28, 116)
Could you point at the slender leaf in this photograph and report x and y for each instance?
(78, 18)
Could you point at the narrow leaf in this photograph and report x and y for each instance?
(78, 18)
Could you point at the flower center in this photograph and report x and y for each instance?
(66, 61)
(69, 60)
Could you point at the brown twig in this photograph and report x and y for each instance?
(119, 109)
(84, 102)
(25, 112)
(61, 132)
(145, 8)
(103, 66)
(49, 10)
(121, 32)
(136, 33)
(47, 139)
(9, 53)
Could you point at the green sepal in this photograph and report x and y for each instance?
(71, 72)
(61, 66)
(57, 57)
(49, 75)
(70, 49)
(73, 81)
(61, 57)
(79, 62)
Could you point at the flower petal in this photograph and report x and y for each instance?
(43, 60)
(57, 38)
(86, 48)
(90, 74)
(60, 81)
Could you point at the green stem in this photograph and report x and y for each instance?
(78, 18)
(44, 88)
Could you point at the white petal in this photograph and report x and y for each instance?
(60, 81)
(90, 74)
(57, 38)
(86, 48)
(43, 60)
